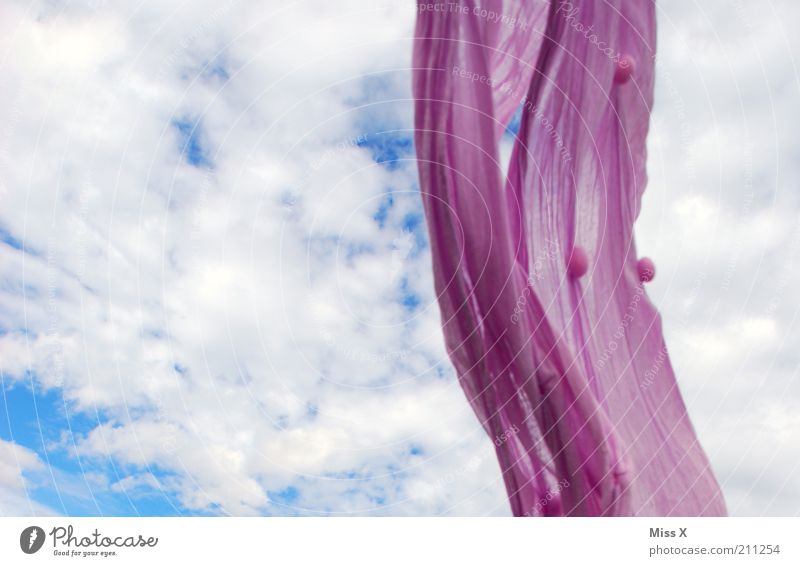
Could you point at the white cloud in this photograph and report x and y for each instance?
(16, 462)
(238, 346)
(720, 219)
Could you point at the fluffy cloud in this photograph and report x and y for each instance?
(219, 250)
(17, 462)
(720, 219)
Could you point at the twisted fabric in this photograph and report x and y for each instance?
(545, 317)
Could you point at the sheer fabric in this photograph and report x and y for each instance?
(546, 320)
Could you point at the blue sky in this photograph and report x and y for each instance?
(215, 284)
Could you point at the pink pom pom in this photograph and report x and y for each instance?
(624, 70)
(646, 269)
(578, 262)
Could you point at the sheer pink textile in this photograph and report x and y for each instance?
(567, 372)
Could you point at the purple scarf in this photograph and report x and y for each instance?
(554, 340)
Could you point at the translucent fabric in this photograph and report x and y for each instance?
(544, 312)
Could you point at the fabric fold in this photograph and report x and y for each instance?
(570, 372)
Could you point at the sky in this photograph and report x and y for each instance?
(215, 285)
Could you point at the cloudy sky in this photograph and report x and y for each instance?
(215, 286)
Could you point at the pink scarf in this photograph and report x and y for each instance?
(554, 340)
